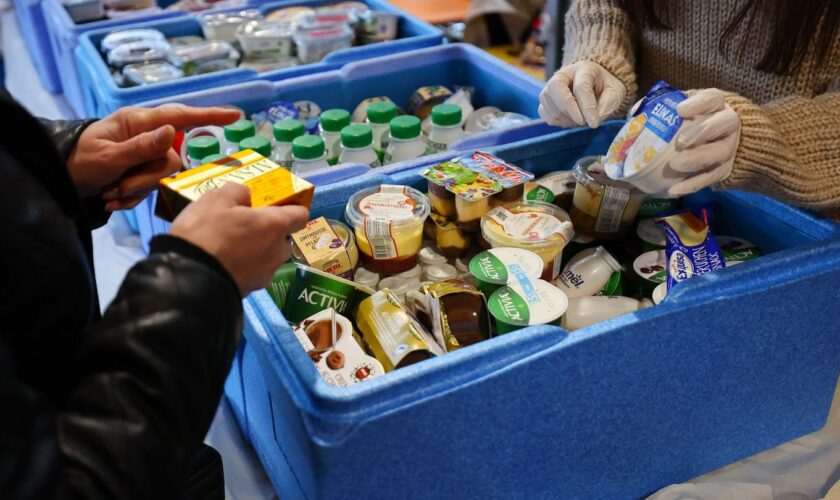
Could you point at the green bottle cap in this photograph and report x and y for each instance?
(308, 147)
(239, 130)
(287, 130)
(405, 127)
(382, 112)
(333, 120)
(446, 115)
(356, 136)
(212, 158)
(259, 144)
(202, 146)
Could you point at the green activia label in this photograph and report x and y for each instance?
(508, 306)
(654, 206)
(314, 291)
(281, 283)
(540, 193)
(487, 267)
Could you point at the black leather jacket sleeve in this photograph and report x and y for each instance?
(150, 377)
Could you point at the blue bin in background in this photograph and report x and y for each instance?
(730, 364)
(62, 36)
(102, 96)
(34, 31)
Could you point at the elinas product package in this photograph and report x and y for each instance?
(690, 247)
(270, 184)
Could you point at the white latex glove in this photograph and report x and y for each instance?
(706, 143)
(583, 93)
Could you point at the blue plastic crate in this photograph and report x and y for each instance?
(35, 34)
(730, 364)
(398, 76)
(102, 96)
(62, 36)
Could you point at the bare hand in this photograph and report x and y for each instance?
(251, 243)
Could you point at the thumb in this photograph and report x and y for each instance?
(147, 146)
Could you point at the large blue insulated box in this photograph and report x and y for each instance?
(730, 364)
(397, 76)
(102, 95)
(62, 37)
(34, 31)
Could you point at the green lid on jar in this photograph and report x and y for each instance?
(446, 115)
(287, 130)
(258, 143)
(202, 146)
(405, 127)
(333, 120)
(308, 147)
(212, 158)
(356, 136)
(382, 112)
(240, 130)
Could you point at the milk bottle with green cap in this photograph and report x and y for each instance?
(258, 143)
(379, 116)
(332, 122)
(237, 132)
(308, 154)
(201, 147)
(446, 128)
(357, 145)
(406, 141)
(285, 131)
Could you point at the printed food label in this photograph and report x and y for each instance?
(690, 245)
(540, 193)
(381, 209)
(504, 173)
(528, 302)
(530, 225)
(322, 248)
(612, 208)
(651, 266)
(503, 265)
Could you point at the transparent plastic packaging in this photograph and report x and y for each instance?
(223, 26)
(205, 57)
(149, 73)
(377, 26)
(121, 37)
(137, 53)
(315, 44)
(261, 39)
(602, 208)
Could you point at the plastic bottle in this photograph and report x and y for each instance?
(308, 154)
(212, 158)
(587, 276)
(235, 133)
(406, 141)
(357, 145)
(199, 148)
(286, 131)
(332, 122)
(258, 143)
(379, 116)
(446, 128)
(585, 311)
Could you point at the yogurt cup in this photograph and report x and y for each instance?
(602, 208)
(428, 257)
(497, 267)
(557, 188)
(651, 269)
(450, 238)
(413, 274)
(388, 223)
(347, 239)
(659, 293)
(440, 272)
(651, 234)
(736, 250)
(539, 227)
(526, 303)
(366, 278)
(655, 205)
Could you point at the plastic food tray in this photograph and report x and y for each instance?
(730, 364)
(101, 95)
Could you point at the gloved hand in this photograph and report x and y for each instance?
(706, 143)
(583, 93)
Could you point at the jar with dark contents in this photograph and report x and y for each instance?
(602, 208)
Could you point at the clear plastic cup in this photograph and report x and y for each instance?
(347, 239)
(539, 227)
(602, 208)
(388, 222)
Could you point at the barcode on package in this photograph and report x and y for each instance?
(612, 209)
(378, 233)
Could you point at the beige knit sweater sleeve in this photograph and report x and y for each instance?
(789, 149)
(601, 31)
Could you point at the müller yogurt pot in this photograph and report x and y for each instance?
(525, 303)
(641, 151)
(539, 227)
(388, 222)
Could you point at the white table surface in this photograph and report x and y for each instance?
(804, 468)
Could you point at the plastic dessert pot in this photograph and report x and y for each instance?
(602, 208)
(347, 239)
(539, 227)
(388, 222)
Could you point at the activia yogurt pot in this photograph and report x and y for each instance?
(602, 208)
(651, 234)
(651, 270)
(388, 222)
(737, 250)
(497, 267)
(525, 303)
(539, 227)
